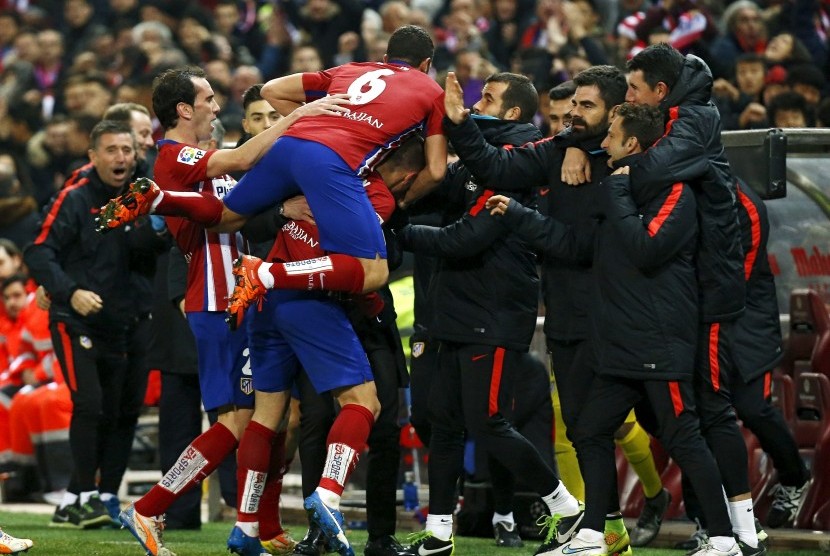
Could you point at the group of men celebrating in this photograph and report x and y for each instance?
(640, 239)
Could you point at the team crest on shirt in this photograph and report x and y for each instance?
(190, 155)
(246, 384)
(85, 342)
(471, 186)
(417, 349)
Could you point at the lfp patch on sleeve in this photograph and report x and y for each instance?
(190, 155)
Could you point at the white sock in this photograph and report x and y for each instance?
(440, 526)
(250, 528)
(561, 502)
(68, 499)
(328, 497)
(590, 536)
(743, 521)
(156, 201)
(85, 496)
(724, 544)
(504, 519)
(265, 276)
(105, 496)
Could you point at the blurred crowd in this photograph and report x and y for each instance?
(63, 63)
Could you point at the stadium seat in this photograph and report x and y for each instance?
(815, 511)
(782, 396)
(806, 323)
(812, 409)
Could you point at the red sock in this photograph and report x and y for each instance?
(270, 524)
(346, 441)
(340, 273)
(201, 208)
(252, 469)
(198, 461)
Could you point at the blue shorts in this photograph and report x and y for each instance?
(224, 367)
(304, 331)
(345, 218)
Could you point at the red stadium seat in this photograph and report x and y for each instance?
(812, 409)
(783, 396)
(809, 326)
(815, 511)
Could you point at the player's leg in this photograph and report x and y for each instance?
(678, 430)
(225, 387)
(719, 426)
(752, 402)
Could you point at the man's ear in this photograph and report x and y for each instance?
(184, 110)
(513, 113)
(661, 89)
(632, 145)
(425, 65)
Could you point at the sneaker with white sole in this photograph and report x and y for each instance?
(12, 545)
(147, 531)
(560, 529)
(709, 550)
(578, 546)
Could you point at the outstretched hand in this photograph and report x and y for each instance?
(454, 100)
(296, 208)
(332, 105)
(497, 204)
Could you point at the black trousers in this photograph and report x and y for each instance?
(114, 459)
(670, 406)
(752, 402)
(714, 373)
(95, 369)
(383, 461)
(473, 390)
(180, 422)
(423, 366)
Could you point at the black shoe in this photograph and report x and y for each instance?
(387, 546)
(425, 544)
(747, 550)
(785, 505)
(507, 536)
(558, 530)
(68, 517)
(94, 513)
(314, 542)
(648, 525)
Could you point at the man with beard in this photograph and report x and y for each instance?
(488, 291)
(565, 281)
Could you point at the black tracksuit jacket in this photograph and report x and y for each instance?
(565, 282)
(757, 346)
(69, 254)
(692, 152)
(486, 289)
(643, 321)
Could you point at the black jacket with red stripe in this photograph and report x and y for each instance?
(69, 254)
(692, 152)
(643, 320)
(758, 331)
(486, 289)
(538, 165)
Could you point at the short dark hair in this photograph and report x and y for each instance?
(123, 111)
(170, 88)
(10, 247)
(28, 114)
(85, 123)
(17, 277)
(563, 91)
(641, 121)
(410, 155)
(410, 44)
(806, 74)
(609, 80)
(658, 62)
(108, 126)
(251, 95)
(789, 100)
(520, 93)
(750, 58)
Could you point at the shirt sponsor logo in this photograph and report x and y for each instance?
(297, 233)
(190, 155)
(364, 117)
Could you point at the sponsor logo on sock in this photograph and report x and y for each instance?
(190, 463)
(338, 460)
(252, 492)
(321, 264)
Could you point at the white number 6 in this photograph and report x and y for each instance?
(375, 83)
